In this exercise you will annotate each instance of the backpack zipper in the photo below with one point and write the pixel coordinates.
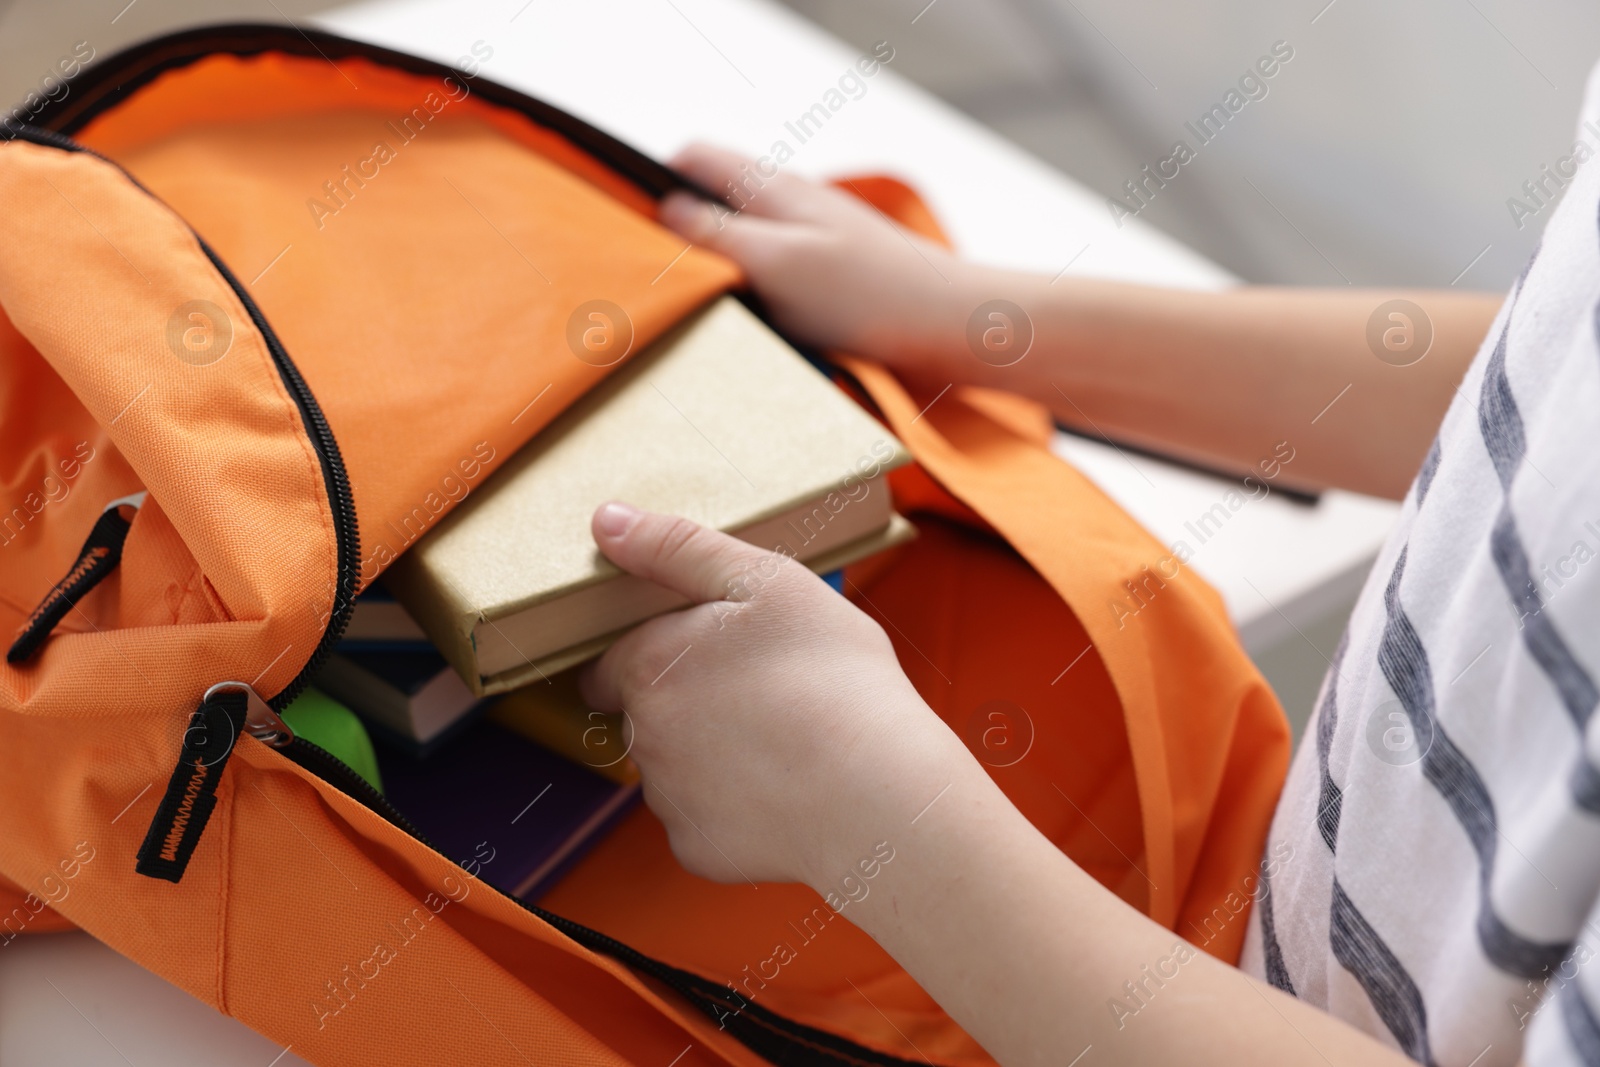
(260, 721)
(341, 501)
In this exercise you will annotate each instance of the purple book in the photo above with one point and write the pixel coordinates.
(519, 814)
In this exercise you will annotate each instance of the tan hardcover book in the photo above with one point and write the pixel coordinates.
(720, 421)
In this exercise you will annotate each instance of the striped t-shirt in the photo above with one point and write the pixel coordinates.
(1441, 822)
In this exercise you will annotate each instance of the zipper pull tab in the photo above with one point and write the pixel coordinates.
(227, 710)
(98, 557)
(260, 721)
(191, 791)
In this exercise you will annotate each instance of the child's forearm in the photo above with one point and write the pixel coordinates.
(1030, 955)
(1224, 377)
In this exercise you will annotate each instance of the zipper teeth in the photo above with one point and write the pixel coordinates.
(340, 499)
(698, 991)
(350, 782)
(126, 72)
(341, 774)
(50, 138)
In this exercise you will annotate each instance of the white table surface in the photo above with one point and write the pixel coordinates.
(658, 74)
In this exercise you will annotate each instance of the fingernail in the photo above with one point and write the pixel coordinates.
(613, 519)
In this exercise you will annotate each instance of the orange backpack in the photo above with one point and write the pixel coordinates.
(265, 293)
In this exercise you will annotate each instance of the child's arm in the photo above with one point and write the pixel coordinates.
(780, 741)
(1220, 377)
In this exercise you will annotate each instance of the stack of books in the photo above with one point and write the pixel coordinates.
(461, 660)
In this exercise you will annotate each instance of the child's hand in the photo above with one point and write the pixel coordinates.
(771, 721)
(780, 741)
(832, 270)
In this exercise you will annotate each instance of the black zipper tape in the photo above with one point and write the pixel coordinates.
(191, 793)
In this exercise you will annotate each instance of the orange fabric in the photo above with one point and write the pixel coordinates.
(899, 201)
(28, 911)
(92, 273)
(223, 90)
(429, 315)
(229, 569)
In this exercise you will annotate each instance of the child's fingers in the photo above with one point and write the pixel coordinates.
(687, 558)
(597, 685)
(710, 167)
(753, 187)
(704, 222)
(600, 683)
(747, 240)
(698, 564)
(634, 662)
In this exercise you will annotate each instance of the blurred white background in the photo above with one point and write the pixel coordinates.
(1383, 153)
